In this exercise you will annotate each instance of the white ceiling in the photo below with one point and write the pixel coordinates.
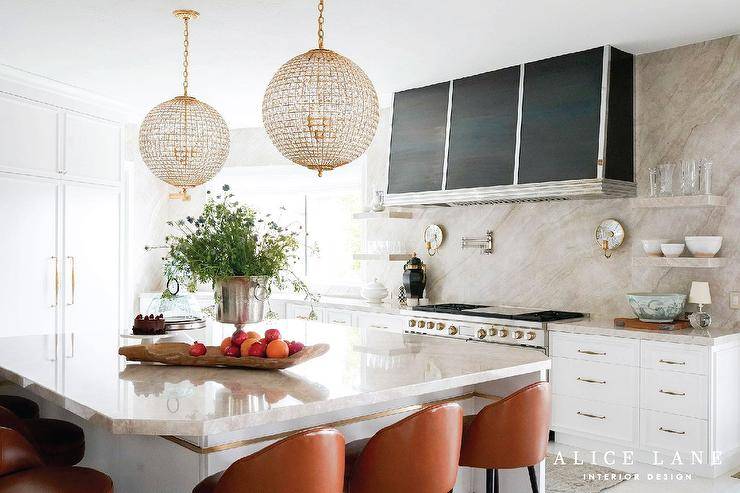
(131, 49)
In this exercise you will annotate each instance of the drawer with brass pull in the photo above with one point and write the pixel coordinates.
(578, 416)
(674, 357)
(669, 432)
(602, 349)
(674, 393)
(595, 381)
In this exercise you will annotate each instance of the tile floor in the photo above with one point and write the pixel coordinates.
(723, 484)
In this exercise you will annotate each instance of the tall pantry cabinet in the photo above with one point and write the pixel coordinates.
(61, 210)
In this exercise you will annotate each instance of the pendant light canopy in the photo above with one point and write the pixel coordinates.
(320, 109)
(183, 141)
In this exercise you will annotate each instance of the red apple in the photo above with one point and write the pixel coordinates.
(294, 347)
(233, 351)
(198, 349)
(238, 337)
(258, 349)
(272, 334)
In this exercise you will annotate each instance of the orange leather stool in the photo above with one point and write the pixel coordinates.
(310, 462)
(23, 471)
(59, 443)
(509, 434)
(418, 454)
(20, 406)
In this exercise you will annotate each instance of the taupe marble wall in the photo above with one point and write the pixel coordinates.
(687, 106)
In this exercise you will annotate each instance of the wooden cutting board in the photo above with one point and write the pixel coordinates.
(636, 323)
(178, 353)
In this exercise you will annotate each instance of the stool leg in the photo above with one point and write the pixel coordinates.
(533, 479)
(489, 480)
(495, 481)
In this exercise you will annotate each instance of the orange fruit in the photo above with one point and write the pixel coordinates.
(225, 344)
(277, 349)
(253, 335)
(248, 344)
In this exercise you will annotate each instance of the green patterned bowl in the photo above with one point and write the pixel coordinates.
(657, 307)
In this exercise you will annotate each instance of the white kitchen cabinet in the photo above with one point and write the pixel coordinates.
(339, 317)
(92, 148)
(29, 261)
(303, 312)
(92, 259)
(29, 136)
(379, 321)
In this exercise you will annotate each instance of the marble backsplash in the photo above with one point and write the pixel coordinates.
(687, 107)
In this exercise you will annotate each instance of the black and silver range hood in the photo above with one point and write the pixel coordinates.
(555, 129)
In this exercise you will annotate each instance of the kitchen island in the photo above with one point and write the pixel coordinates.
(143, 422)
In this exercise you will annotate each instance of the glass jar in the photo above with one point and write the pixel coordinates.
(705, 177)
(666, 179)
(689, 178)
(653, 173)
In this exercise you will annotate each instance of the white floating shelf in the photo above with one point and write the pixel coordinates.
(681, 201)
(688, 262)
(388, 257)
(385, 214)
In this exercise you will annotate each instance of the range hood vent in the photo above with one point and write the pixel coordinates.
(523, 193)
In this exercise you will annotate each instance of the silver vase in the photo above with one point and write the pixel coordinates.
(240, 300)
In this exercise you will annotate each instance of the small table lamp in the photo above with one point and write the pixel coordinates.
(699, 294)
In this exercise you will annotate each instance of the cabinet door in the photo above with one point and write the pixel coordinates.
(483, 126)
(91, 263)
(92, 148)
(561, 112)
(418, 139)
(28, 251)
(28, 136)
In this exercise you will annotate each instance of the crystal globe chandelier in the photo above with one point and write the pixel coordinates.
(320, 109)
(183, 141)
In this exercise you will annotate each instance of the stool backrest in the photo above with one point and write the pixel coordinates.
(310, 462)
(419, 453)
(16, 454)
(510, 433)
(9, 420)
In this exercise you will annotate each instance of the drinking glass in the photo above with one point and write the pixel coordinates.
(666, 179)
(705, 176)
(653, 172)
(689, 178)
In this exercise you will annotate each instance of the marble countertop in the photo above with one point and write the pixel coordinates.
(714, 336)
(85, 375)
(340, 303)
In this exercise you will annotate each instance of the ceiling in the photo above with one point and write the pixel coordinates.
(130, 50)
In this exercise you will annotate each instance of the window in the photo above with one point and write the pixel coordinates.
(321, 206)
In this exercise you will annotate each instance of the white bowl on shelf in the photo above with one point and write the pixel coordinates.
(652, 247)
(703, 246)
(672, 250)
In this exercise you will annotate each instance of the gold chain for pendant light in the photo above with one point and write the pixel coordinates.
(321, 24)
(185, 58)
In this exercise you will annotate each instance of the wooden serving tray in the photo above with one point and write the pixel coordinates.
(177, 353)
(636, 323)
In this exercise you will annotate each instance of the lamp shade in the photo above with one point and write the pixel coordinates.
(699, 293)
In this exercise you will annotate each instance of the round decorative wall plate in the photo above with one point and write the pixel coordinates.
(433, 238)
(609, 236)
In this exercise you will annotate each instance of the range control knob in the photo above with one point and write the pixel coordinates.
(503, 333)
(412, 323)
(440, 326)
(492, 331)
(531, 336)
(518, 334)
(482, 333)
(452, 330)
(422, 324)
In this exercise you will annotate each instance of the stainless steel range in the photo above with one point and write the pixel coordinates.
(502, 325)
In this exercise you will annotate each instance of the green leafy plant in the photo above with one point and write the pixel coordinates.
(229, 239)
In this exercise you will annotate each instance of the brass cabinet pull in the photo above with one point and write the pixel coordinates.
(588, 380)
(73, 278)
(668, 362)
(670, 392)
(590, 415)
(56, 282)
(672, 431)
(583, 351)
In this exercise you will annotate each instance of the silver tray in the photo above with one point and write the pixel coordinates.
(184, 323)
